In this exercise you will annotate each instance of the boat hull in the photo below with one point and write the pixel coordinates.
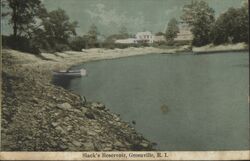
(70, 73)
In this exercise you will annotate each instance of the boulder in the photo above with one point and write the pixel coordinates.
(118, 144)
(64, 106)
(61, 130)
(97, 105)
(54, 124)
(144, 144)
(89, 146)
(89, 115)
(84, 110)
(63, 147)
(76, 143)
(35, 100)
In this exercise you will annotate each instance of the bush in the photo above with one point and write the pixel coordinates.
(19, 43)
(78, 43)
(231, 26)
(61, 47)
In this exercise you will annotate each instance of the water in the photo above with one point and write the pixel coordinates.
(181, 102)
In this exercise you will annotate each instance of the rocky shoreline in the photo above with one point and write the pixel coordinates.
(39, 116)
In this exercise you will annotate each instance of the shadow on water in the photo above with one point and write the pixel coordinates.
(62, 81)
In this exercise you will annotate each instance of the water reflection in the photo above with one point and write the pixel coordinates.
(62, 81)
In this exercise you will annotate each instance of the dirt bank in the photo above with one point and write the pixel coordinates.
(39, 116)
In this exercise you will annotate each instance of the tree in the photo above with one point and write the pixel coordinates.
(200, 17)
(4, 6)
(123, 33)
(55, 29)
(23, 13)
(172, 30)
(78, 43)
(92, 35)
(231, 26)
(159, 34)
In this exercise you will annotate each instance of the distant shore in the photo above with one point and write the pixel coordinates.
(69, 58)
(73, 57)
(221, 48)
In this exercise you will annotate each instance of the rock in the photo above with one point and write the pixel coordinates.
(54, 124)
(69, 128)
(64, 140)
(91, 133)
(84, 110)
(89, 115)
(118, 144)
(59, 128)
(89, 146)
(76, 143)
(50, 104)
(53, 143)
(64, 106)
(76, 111)
(144, 144)
(57, 113)
(82, 128)
(29, 137)
(99, 106)
(116, 118)
(63, 147)
(35, 100)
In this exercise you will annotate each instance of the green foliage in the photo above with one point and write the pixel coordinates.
(48, 31)
(172, 30)
(57, 26)
(160, 34)
(201, 18)
(23, 14)
(19, 43)
(92, 36)
(231, 26)
(123, 33)
(4, 5)
(54, 31)
(23, 18)
(78, 43)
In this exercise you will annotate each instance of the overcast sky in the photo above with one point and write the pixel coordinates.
(136, 15)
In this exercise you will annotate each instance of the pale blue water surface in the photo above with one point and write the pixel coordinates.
(206, 97)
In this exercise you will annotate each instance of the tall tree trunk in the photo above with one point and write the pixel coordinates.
(14, 18)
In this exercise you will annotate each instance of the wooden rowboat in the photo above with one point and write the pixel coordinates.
(70, 73)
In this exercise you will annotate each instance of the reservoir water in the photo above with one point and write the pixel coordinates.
(181, 102)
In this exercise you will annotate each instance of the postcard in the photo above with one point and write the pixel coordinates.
(125, 80)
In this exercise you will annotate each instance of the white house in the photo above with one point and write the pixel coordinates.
(144, 37)
(140, 37)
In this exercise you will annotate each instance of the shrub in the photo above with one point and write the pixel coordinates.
(20, 43)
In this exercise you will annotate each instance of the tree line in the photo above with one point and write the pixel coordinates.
(231, 26)
(35, 29)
